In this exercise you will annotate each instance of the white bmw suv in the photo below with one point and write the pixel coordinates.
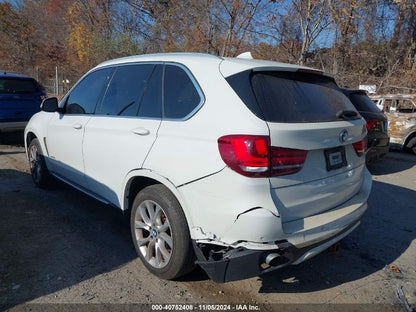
(238, 165)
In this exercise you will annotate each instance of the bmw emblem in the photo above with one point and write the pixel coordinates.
(343, 136)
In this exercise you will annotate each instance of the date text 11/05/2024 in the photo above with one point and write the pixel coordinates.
(205, 307)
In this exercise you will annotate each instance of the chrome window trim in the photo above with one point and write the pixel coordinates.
(116, 66)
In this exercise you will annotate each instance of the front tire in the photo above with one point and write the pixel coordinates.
(412, 145)
(160, 233)
(38, 170)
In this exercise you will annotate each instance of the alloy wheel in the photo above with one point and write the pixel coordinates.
(35, 162)
(153, 234)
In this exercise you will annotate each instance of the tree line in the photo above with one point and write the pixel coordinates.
(359, 41)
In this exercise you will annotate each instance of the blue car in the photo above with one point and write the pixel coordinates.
(20, 99)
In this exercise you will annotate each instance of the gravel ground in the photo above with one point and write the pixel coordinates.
(62, 251)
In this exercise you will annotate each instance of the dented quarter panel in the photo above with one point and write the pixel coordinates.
(253, 218)
(261, 224)
(220, 200)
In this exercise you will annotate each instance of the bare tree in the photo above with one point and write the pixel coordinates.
(313, 17)
(237, 17)
(372, 41)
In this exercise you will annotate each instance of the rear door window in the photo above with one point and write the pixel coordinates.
(151, 103)
(291, 97)
(125, 91)
(181, 97)
(18, 86)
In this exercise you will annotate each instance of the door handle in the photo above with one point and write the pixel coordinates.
(77, 126)
(141, 131)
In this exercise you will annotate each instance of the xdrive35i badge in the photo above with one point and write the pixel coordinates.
(343, 136)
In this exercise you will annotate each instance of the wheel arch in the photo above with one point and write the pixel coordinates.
(35, 133)
(409, 137)
(139, 179)
(28, 138)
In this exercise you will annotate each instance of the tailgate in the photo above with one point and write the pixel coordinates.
(318, 187)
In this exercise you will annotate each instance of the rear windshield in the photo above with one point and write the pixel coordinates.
(363, 103)
(290, 97)
(18, 86)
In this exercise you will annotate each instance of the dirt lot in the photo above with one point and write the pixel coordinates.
(61, 250)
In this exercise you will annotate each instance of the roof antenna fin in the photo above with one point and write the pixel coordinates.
(245, 55)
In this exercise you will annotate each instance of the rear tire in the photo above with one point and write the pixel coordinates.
(412, 145)
(38, 170)
(160, 233)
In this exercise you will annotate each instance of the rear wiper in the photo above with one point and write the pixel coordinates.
(347, 114)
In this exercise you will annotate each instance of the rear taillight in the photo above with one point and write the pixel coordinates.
(373, 124)
(287, 160)
(252, 156)
(246, 154)
(370, 124)
(360, 147)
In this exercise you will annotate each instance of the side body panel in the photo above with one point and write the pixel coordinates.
(38, 127)
(187, 150)
(114, 146)
(64, 141)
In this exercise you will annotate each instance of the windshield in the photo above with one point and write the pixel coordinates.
(18, 86)
(291, 97)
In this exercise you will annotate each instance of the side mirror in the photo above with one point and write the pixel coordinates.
(50, 105)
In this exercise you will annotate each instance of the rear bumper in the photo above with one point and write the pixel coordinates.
(280, 243)
(240, 263)
(378, 146)
(376, 153)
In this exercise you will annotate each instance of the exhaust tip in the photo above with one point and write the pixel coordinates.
(273, 259)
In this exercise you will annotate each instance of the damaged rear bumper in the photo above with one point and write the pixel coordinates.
(225, 264)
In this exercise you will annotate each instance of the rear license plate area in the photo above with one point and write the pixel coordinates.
(335, 158)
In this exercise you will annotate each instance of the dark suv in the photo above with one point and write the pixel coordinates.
(20, 99)
(376, 122)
